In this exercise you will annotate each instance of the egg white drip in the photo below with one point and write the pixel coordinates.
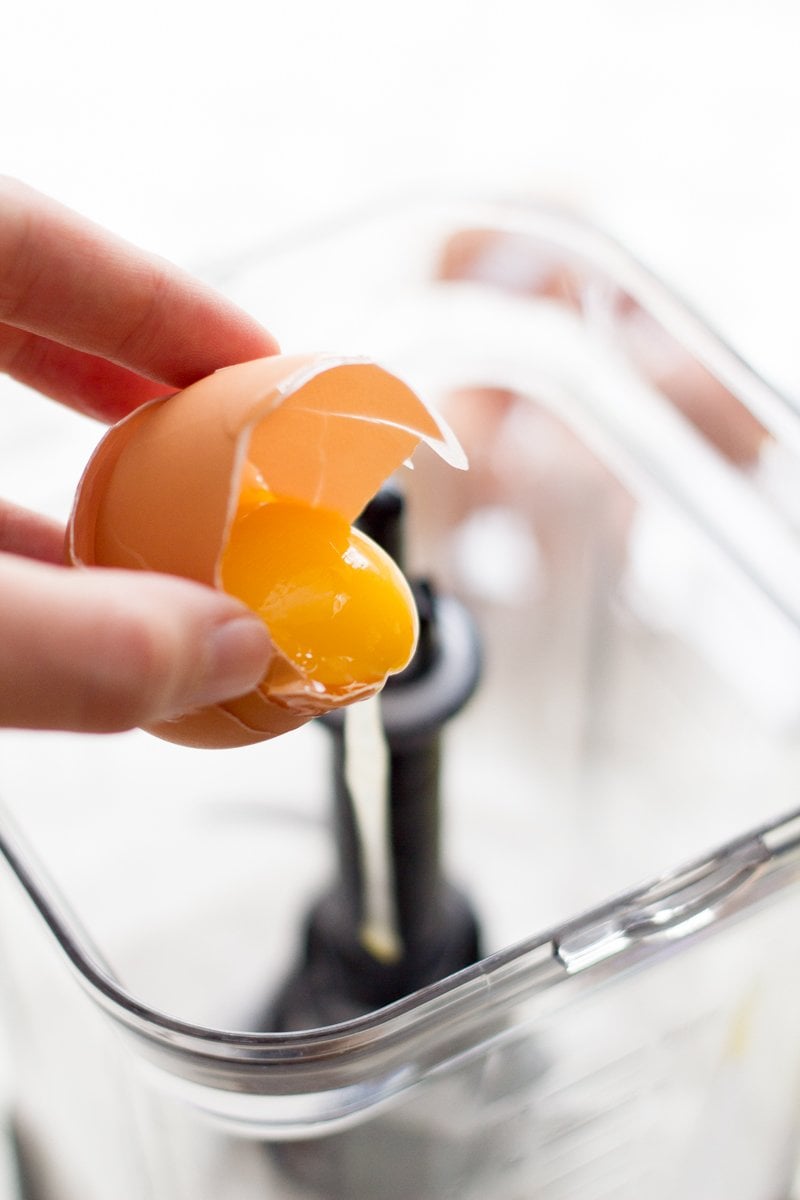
(366, 768)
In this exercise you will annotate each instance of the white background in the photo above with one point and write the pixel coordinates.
(199, 128)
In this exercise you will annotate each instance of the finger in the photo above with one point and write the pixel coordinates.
(102, 651)
(28, 533)
(90, 384)
(68, 280)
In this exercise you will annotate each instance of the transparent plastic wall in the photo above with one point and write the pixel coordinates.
(626, 540)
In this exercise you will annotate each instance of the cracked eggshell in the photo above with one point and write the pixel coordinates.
(161, 490)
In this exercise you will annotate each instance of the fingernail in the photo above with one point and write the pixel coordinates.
(237, 657)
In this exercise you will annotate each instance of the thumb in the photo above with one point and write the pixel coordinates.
(104, 650)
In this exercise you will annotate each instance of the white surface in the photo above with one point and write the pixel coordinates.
(197, 128)
(200, 130)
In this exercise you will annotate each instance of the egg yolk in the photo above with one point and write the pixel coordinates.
(333, 600)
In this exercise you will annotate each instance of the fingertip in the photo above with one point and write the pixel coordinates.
(236, 655)
(69, 288)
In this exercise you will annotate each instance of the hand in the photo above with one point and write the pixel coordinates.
(93, 322)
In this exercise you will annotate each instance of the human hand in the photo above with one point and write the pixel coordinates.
(100, 326)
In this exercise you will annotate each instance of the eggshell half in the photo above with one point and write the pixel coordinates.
(161, 490)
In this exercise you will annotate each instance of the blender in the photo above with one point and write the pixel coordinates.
(550, 952)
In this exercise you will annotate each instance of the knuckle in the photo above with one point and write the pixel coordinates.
(143, 325)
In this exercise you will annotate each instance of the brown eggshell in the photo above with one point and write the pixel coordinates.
(161, 490)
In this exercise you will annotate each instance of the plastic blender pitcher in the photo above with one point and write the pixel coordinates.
(625, 547)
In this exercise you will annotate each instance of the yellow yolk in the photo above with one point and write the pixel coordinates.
(333, 600)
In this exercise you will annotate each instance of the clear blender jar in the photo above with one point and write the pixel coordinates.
(624, 561)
